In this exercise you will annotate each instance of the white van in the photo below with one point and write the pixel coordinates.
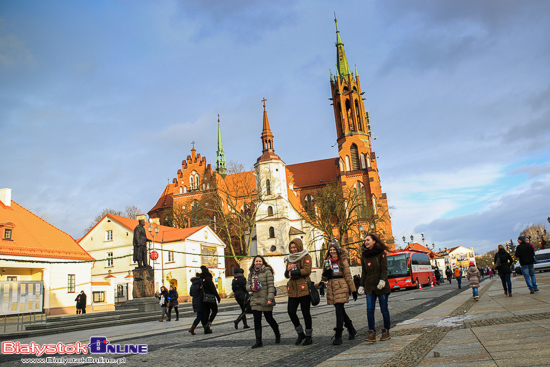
(543, 260)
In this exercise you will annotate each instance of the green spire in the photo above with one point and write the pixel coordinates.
(330, 71)
(220, 155)
(342, 67)
(356, 73)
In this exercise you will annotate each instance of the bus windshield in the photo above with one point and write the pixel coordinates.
(397, 266)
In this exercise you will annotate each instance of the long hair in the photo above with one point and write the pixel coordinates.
(500, 247)
(342, 255)
(378, 243)
(264, 262)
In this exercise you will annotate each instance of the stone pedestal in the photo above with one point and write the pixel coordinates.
(144, 283)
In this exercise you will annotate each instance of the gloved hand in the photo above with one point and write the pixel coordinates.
(381, 284)
(296, 273)
(328, 273)
(354, 294)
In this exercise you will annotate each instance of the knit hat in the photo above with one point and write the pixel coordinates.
(471, 263)
(239, 271)
(522, 238)
(333, 243)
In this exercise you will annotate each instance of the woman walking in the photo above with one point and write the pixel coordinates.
(239, 291)
(503, 262)
(173, 302)
(210, 310)
(298, 269)
(375, 283)
(163, 301)
(339, 285)
(473, 276)
(196, 292)
(261, 284)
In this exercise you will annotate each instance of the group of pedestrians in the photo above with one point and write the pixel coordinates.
(257, 292)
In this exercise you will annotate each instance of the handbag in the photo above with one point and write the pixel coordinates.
(498, 263)
(208, 298)
(313, 294)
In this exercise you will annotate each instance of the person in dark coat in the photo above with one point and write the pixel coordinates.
(526, 255)
(504, 270)
(163, 301)
(173, 302)
(77, 300)
(210, 310)
(83, 301)
(449, 274)
(196, 292)
(321, 287)
(239, 291)
(375, 283)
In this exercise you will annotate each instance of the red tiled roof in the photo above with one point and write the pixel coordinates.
(33, 236)
(314, 173)
(166, 234)
(419, 247)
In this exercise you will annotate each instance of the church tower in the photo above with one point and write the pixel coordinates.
(357, 161)
(220, 155)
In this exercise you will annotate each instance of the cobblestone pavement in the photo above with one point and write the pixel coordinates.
(442, 326)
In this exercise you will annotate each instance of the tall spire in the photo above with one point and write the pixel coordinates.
(220, 155)
(268, 152)
(342, 67)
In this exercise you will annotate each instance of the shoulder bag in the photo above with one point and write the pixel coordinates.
(313, 294)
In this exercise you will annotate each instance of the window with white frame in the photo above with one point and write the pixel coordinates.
(71, 283)
(109, 235)
(7, 234)
(98, 297)
(109, 260)
(170, 257)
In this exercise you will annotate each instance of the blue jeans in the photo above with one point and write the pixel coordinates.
(371, 305)
(528, 272)
(475, 291)
(506, 283)
(459, 281)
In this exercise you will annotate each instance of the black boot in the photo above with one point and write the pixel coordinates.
(337, 337)
(308, 340)
(177, 314)
(207, 329)
(301, 335)
(236, 322)
(351, 330)
(259, 343)
(277, 334)
(245, 323)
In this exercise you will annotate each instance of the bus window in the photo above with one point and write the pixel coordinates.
(397, 266)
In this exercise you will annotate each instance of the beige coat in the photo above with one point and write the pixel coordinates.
(259, 299)
(338, 289)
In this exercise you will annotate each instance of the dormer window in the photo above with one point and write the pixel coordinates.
(7, 234)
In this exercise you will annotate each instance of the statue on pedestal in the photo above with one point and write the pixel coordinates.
(140, 246)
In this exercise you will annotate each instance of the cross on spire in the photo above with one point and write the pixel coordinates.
(193, 142)
(263, 100)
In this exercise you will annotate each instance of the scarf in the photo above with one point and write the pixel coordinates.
(294, 258)
(334, 261)
(258, 270)
(373, 251)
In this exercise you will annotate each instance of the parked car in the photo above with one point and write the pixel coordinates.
(543, 260)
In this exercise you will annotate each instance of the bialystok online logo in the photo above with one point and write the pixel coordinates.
(98, 345)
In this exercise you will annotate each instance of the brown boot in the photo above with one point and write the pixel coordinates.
(192, 329)
(372, 336)
(162, 318)
(385, 335)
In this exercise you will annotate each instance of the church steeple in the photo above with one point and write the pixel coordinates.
(220, 155)
(268, 152)
(342, 66)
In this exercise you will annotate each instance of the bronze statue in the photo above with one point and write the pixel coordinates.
(140, 245)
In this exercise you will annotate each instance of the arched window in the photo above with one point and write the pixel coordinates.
(363, 163)
(194, 181)
(359, 190)
(341, 165)
(358, 114)
(354, 157)
(368, 160)
(309, 205)
(268, 187)
(181, 190)
(195, 213)
(270, 211)
(232, 269)
(271, 232)
(374, 209)
(347, 163)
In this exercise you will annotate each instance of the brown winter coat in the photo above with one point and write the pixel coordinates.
(299, 287)
(259, 299)
(473, 276)
(338, 289)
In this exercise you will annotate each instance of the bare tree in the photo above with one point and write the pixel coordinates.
(536, 233)
(131, 212)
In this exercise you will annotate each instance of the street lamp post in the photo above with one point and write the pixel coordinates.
(154, 234)
(422, 234)
(412, 238)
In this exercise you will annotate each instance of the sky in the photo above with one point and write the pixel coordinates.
(100, 102)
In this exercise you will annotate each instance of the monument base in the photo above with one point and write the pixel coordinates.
(144, 283)
(143, 304)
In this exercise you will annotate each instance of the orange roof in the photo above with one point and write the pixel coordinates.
(419, 247)
(33, 236)
(100, 283)
(166, 234)
(314, 173)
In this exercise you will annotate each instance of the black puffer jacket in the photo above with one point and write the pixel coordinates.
(208, 284)
(195, 292)
(239, 287)
(505, 262)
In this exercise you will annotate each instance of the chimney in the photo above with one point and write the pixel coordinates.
(5, 196)
(141, 216)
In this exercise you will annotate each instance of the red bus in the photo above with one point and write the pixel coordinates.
(409, 269)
